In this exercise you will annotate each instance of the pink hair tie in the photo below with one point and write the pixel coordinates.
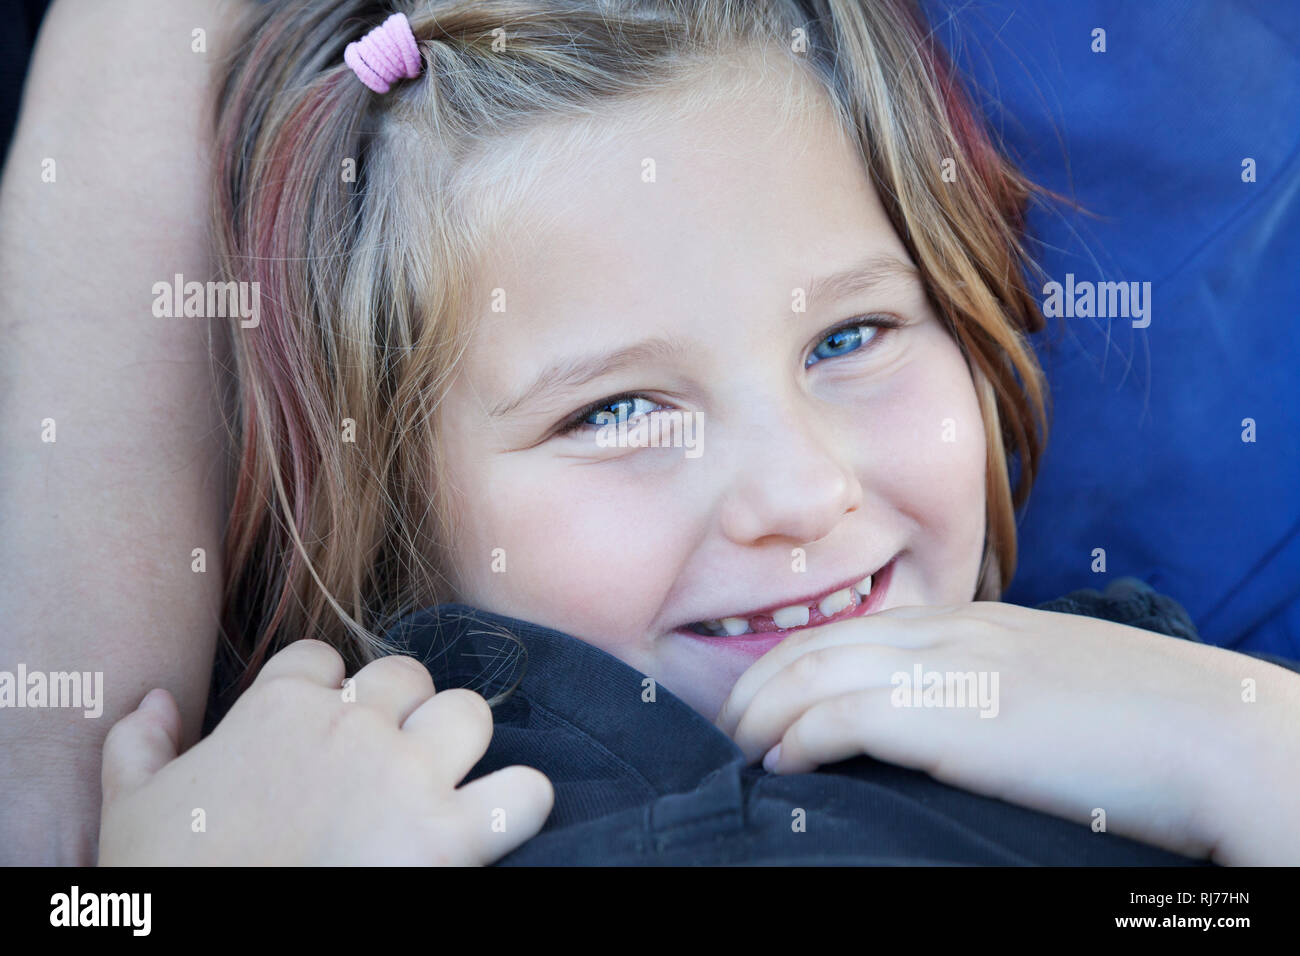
(385, 54)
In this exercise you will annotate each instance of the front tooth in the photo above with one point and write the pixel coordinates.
(863, 587)
(832, 604)
(796, 616)
(735, 626)
(715, 626)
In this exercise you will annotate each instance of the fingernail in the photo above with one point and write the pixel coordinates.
(773, 755)
(152, 699)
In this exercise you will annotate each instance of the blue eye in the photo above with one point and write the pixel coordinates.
(851, 337)
(610, 411)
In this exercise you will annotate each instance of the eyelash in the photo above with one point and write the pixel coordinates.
(576, 421)
(883, 323)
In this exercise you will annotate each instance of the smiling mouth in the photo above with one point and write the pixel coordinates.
(851, 600)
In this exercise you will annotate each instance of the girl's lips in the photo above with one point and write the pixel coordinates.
(758, 643)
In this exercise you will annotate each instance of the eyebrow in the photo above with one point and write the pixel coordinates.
(862, 276)
(566, 374)
(571, 373)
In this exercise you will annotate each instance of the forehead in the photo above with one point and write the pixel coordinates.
(720, 192)
(720, 124)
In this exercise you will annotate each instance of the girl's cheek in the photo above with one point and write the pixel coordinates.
(586, 551)
(929, 467)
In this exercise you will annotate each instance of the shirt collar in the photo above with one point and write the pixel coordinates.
(599, 696)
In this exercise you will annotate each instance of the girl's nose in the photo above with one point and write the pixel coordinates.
(790, 482)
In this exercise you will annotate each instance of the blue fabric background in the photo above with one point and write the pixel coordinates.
(1146, 458)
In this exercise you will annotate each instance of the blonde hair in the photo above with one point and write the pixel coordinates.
(364, 297)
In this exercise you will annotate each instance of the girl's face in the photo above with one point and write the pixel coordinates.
(736, 279)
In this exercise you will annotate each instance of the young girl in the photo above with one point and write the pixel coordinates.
(489, 232)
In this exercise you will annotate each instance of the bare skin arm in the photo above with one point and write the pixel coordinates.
(97, 528)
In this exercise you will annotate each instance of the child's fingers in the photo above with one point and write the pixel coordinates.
(502, 810)
(902, 628)
(458, 727)
(141, 744)
(308, 659)
(817, 675)
(948, 743)
(822, 736)
(395, 685)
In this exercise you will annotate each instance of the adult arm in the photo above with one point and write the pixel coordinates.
(97, 527)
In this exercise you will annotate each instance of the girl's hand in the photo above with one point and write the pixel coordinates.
(297, 775)
(1189, 747)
